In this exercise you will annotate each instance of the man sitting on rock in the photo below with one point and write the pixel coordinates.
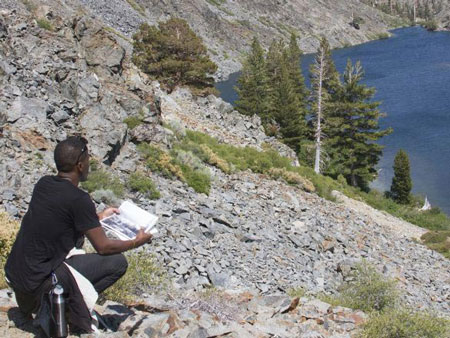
(59, 216)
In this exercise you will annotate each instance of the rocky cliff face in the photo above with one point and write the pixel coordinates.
(227, 27)
(250, 233)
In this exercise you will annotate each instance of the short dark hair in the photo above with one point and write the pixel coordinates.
(69, 152)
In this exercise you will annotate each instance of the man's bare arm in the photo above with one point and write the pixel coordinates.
(106, 246)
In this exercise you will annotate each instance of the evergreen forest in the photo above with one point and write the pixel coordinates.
(332, 126)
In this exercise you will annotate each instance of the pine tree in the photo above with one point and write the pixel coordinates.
(401, 182)
(289, 114)
(298, 84)
(252, 85)
(174, 54)
(332, 83)
(352, 127)
(285, 118)
(273, 67)
(298, 81)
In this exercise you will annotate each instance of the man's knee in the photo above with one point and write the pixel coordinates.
(121, 264)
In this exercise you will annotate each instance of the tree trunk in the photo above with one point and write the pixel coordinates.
(415, 7)
(319, 114)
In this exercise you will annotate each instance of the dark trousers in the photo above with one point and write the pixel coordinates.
(101, 271)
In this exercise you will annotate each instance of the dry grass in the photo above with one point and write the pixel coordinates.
(291, 177)
(8, 231)
(215, 160)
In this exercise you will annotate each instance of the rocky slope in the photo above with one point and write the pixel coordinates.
(227, 27)
(250, 234)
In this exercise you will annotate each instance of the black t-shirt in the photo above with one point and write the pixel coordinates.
(58, 215)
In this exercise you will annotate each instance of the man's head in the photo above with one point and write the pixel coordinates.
(72, 156)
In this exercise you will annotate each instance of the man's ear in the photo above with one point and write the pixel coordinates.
(79, 167)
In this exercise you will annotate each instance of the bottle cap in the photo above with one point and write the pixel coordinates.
(58, 290)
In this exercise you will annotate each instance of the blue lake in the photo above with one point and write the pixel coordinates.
(411, 73)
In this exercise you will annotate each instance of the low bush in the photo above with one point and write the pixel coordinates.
(160, 161)
(366, 290)
(430, 25)
(404, 323)
(196, 179)
(438, 241)
(133, 121)
(213, 159)
(241, 158)
(8, 232)
(99, 179)
(182, 164)
(144, 274)
(44, 24)
(196, 174)
(296, 292)
(105, 196)
(291, 177)
(140, 183)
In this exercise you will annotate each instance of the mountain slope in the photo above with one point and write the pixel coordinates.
(227, 27)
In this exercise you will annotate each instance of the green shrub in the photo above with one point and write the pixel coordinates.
(438, 241)
(430, 25)
(160, 161)
(368, 290)
(139, 182)
(212, 158)
(196, 179)
(296, 292)
(180, 163)
(105, 196)
(8, 232)
(102, 180)
(291, 177)
(133, 121)
(404, 323)
(190, 159)
(44, 24)
(144, 274)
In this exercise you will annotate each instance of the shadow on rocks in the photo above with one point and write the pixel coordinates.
(115, 315)
(24, 323)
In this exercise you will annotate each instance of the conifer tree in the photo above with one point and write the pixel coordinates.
(352, 128)
(298, 83)
(401, 182)
(332, 83)
(286, 110)
(295, 72)
(174, 54)
(273, 67)
(289, 113)
(252, 85)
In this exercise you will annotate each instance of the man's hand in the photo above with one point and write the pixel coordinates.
(107, 212)
(142, 237)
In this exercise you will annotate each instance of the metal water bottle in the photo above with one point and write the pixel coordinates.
(59, 311)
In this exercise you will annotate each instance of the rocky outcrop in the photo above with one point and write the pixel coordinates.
(227, 27)
(214, 314)
(54, 83)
